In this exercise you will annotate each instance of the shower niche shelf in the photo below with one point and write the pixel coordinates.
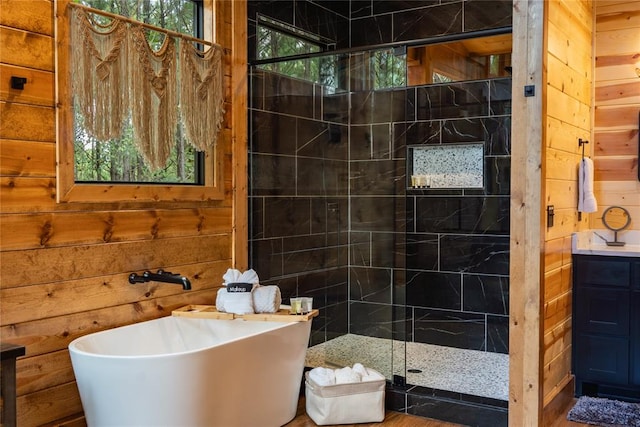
(447, 166)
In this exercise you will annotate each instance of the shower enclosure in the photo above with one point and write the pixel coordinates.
(382, 191)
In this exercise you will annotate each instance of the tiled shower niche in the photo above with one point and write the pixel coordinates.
(447, 166)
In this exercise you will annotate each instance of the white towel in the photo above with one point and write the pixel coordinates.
(372, 375)
(261, 299)
(237, 302)
(586, 200)
(360, 369)
(347, 375)
(323, 376)
(234, 276)
(234, 302)
(220, 297)
(367, 374)
(267, 299)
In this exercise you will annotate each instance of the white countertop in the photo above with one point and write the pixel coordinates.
(593, 242)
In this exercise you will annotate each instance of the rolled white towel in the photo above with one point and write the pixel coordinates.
(347, 375)
(220, 297)
(360, 369)
(323, 376)
(267, 299)
(235, 302)
(372, 375)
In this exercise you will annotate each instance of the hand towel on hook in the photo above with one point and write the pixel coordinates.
(586, 199)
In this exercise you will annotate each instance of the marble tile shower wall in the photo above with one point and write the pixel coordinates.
(299, 195)
(457, 249)
(307, 189)
(332, 216)
(430, 265)
(362, 23)
(382, 21)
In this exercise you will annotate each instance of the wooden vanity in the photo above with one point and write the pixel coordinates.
(606, 322)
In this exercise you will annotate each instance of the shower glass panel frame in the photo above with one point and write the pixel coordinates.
(302, 233)
(333, 215)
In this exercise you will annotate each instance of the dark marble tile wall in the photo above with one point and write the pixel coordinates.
(379, 22)
(299, 195)
(377, 221)
(458, 408)
(334, 219)
(457, 249)
(442, 254)
(327, 195)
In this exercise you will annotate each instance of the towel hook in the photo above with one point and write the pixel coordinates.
(582, 143)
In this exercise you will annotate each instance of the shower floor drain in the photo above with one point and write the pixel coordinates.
(415, 371)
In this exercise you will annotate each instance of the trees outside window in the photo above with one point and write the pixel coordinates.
(118, 160)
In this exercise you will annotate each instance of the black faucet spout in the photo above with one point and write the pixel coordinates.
(161, 276)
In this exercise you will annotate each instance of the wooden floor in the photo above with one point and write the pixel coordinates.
(396, 419)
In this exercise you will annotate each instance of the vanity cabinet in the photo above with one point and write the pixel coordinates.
(606, 326)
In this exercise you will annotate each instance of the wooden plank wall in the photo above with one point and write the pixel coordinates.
(525, 242)
(617, 101)
(64, 267)
(567, 117)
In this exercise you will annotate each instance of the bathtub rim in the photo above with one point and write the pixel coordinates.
(72, 347)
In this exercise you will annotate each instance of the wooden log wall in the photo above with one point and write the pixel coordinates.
(567, 118)
(64, 267)
(617, 101)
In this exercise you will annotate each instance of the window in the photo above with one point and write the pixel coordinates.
(381, 69)
(278, 40)
(94, 170)
(388, 68)
(467, 59)
(118, 160)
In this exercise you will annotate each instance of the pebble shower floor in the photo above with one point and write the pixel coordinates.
(471, 372)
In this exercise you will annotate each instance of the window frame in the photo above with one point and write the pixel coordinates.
(70, 191)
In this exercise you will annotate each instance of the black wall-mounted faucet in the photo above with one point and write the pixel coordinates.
(160, 276)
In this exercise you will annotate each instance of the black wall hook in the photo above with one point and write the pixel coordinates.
(582, 143)
(18, 82)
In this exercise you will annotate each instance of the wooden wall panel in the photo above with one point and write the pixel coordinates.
(37, 18)
(27, 122)
(568, 108)
(617, 102)
(616, 143)
(64, 267)
(54, 403)
(44, 371)
(27, 49)
(618, 91)
(27, 158)
(31, 231)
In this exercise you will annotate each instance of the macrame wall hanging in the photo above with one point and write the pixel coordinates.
(200, 90)
(154, 110)
(117, 73)
(99, 68)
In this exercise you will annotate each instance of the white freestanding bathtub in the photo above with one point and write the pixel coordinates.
(177, 371)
